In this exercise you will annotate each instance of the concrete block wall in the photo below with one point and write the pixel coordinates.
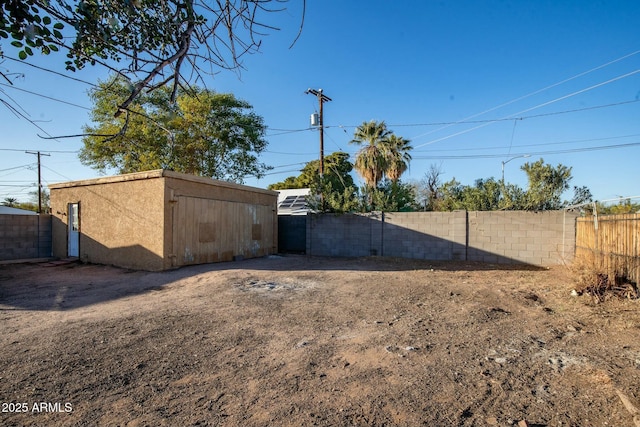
(425, 235)
(25, 236)
(344, 235)
(538, 238)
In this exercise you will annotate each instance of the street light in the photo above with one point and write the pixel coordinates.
(513, 158)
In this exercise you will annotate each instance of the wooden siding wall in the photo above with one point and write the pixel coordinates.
(207, 231)
(612, 242)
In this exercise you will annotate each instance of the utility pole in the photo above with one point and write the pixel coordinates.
(38, 153)
(322, 98)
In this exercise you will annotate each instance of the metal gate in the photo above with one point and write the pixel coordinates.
(292, 233)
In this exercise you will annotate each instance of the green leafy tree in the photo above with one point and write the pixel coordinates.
(337, 172)
(325, 198)
(513, 197)
(337, 169)
(484, 195)
(333, 192)
(546, 185)
(389, 196)
(544, 192)
(581, 195)
(159, 42)
(624, 206)
(288, 183)
(29, 27)
(451, 196)
(208, 134)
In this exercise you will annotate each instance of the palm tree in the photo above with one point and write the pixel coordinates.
(372, 159)
(398, 156)
(10, 202)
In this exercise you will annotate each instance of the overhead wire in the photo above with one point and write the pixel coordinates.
(512, 116)
(57, 173)
(464, 122)
(539, 153)
(288, 154)
(66, 76)
(287, 131)
(45, 96)
(42, 151)
(16, 167)
(584, 73)
(530, 145)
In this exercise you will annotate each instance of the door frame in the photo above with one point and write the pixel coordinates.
(73, 229)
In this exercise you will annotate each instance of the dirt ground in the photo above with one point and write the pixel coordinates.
(300, 341)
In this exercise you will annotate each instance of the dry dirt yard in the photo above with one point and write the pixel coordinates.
(298, 341)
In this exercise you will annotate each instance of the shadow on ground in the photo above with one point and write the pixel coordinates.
(67, 286)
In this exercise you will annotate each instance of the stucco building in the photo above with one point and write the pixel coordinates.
(158, 220)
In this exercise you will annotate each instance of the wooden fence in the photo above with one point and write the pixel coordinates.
(612, 242)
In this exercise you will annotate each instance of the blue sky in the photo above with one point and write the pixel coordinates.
(470, 83)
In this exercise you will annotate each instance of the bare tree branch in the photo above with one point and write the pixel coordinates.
(148, 38)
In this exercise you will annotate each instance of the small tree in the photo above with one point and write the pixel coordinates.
(429, 192)
(389, 196)
(581, 195)
(325, 198)
(208, 134)
(546, 185)
(337, 168)
(333, 192)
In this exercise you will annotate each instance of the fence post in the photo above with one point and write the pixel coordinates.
(595, 227)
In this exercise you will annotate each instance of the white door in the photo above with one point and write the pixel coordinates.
(73, 247)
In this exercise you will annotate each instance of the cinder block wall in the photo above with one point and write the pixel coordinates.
(542, 238)
(344, 235)
(425, 235)
(538, 238)
(25, 236)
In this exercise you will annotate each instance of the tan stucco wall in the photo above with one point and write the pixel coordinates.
(121, 220)
(204, 188)
(132, 220)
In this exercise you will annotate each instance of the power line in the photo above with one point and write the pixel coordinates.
(290, 164)
(281, 172)
(530, 145)
(24, 114)
(512, 116)
(539, 153)
(584, 73)
(464, 122)
(289, 154)
(46, 97)
(506, 119)
(57, 173)
(47, 151)
(51, 71)
(16, 167)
